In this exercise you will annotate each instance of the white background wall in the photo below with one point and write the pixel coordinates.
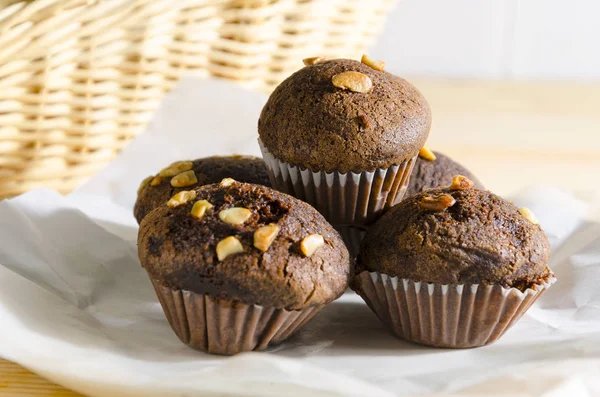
(531, 39)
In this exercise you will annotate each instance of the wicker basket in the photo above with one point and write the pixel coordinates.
(80, 78)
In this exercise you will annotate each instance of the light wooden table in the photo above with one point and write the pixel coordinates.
(509, 134)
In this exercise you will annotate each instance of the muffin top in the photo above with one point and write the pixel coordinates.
(436, 170)
(458, 235)
(157, 189)
(245, 242)
(342, 115)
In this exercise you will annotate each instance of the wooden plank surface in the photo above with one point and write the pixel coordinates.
(511, 135)
(16, 381)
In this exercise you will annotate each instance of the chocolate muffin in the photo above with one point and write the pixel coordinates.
(464, 265)
(474, 237)
(343, 115)
(238, 266)
(343, 135)
(155, 190)
(434, 169)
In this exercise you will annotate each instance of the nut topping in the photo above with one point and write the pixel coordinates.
(235, 215)
(184, 179)
(144, 183)
(229, 246)
(437, 203)
(426, 154)
(176, 168)
(372, 63)
(264, 236)
(200, 207)
(313, 60)
(529, 215)
(157, 180)
(460, 182)
(226, 182)
(181, 198)
(311, 243)
(242, 157)
(353, 81)
(364, 121)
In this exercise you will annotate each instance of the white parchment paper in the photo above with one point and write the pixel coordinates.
(76, 307)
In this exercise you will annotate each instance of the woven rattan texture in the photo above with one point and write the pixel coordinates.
(80, 78)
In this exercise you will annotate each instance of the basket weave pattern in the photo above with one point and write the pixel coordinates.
(80, 78)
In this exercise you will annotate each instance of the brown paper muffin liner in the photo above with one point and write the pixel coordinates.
(220, 326)
(454, 316)
(343, 199)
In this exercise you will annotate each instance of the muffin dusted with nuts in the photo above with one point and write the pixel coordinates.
(458, 235)
(461, 264)
(433, 169)
(155, 190)
(343, 135)
(343, 115)
(238, 266)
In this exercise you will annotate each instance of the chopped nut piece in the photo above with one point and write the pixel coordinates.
(226, 182)
(311, 243)
(181, 198)
(264, 236)
(156, 181)
(176, 168)
(235, 215)
(184, 179)
(529, 215)
(377, 65)
(144, 183)
(437, 203)
(313, 60)
(229, 246)
(460, 182)
(200, 207)
(242, 156)
(364, 121)
(427, 154)
(353, 81)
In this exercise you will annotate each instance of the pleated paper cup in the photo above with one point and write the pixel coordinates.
(343, 198)
(440, 315)
(220, 326)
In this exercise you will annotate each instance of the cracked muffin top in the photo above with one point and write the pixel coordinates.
(458, 235)
(434, 169)
(245, 242)
(157, 189)
(343, 115)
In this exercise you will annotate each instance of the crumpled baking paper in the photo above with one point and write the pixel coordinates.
(77, 308)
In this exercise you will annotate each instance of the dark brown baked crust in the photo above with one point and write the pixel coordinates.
(208, 170)
(309, 122)
(179, 250)
(437, 173)
(482, 238)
